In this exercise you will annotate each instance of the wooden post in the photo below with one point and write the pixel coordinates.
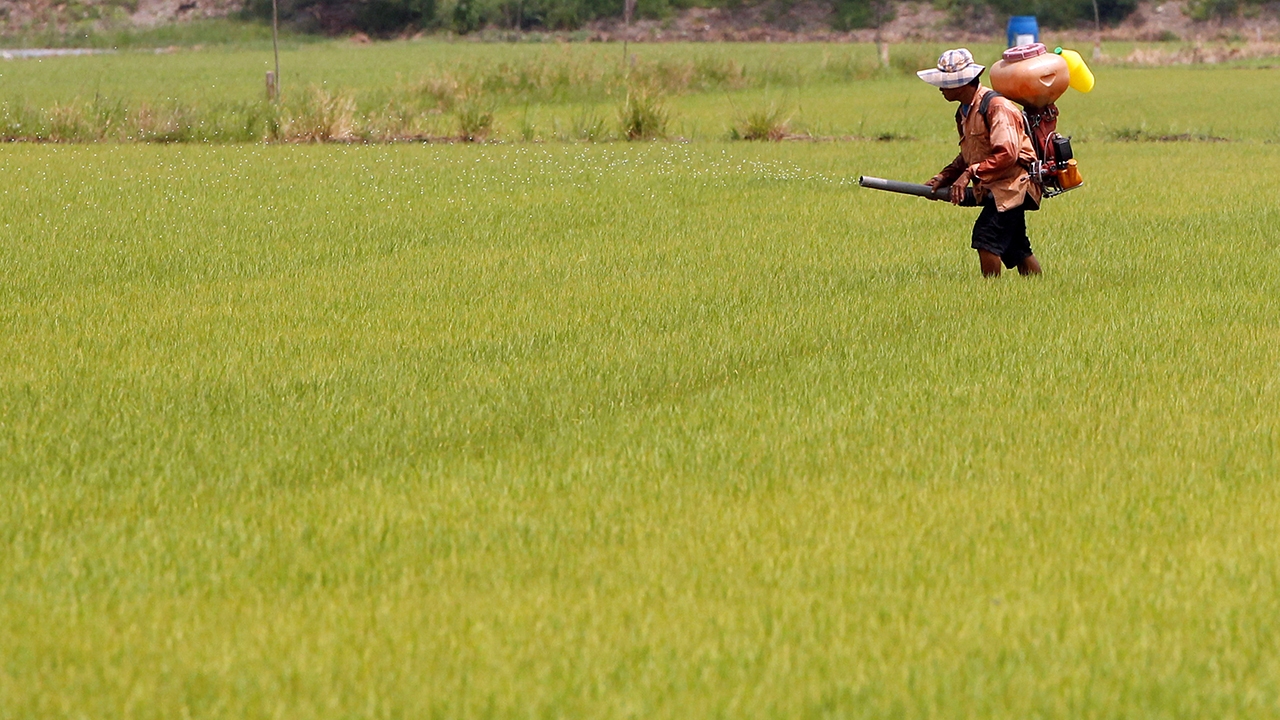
(274, 81)
(273, 90)
(628, 10)
(1097, 30)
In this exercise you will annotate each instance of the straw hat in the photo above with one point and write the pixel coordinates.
(956, 68)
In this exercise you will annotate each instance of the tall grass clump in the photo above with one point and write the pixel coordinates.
(69, 123)
(171, 124)
(586, 125)
(643, 114)
(770, 122)
(322, 116)
(475, 117)
(19, 122)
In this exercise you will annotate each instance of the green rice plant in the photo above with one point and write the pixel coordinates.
(632, 431)
(643, 114)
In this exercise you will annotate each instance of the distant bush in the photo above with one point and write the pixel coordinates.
(376, 17)
(854, 14)
(1210, 9)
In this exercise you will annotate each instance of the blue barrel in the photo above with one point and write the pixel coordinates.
(1023, 29)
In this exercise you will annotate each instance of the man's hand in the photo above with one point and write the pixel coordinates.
(958, 188)
(932, 184)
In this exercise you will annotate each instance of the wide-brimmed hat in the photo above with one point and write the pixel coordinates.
(956, 68)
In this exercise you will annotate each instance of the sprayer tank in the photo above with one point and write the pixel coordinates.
(1030, 76)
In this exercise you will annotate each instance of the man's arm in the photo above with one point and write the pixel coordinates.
(949, 174)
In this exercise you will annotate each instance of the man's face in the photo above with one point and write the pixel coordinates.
(953, 94)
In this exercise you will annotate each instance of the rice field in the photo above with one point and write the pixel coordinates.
(660, 430)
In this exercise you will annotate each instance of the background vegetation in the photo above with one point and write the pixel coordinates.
(548, 92)
(464, 16)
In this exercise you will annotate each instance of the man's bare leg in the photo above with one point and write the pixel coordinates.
(991, 264)
(1029, 266)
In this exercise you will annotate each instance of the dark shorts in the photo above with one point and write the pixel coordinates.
(1002, 233)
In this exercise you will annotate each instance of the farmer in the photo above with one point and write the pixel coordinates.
(994, 155)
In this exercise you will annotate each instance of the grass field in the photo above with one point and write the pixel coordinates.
(637, 430)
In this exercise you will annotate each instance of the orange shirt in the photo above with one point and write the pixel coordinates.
(997, 157)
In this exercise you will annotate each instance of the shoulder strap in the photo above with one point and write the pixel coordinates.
(983, 106)
(986, 104)
(1026, 121)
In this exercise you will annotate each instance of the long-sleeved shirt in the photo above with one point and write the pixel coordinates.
(997, 157)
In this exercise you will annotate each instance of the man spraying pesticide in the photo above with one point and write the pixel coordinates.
(1013, 157)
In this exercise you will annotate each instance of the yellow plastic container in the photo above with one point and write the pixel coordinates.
(1081, 75)
(1033, 82)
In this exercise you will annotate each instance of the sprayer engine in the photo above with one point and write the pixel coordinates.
(1057, 172)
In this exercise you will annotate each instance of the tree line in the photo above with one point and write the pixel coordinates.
(385, 17)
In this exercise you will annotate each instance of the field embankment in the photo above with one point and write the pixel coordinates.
(443, 91)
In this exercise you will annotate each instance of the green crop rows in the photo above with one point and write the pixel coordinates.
(652, 430)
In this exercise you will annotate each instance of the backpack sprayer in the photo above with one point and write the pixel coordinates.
(1034, 78)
